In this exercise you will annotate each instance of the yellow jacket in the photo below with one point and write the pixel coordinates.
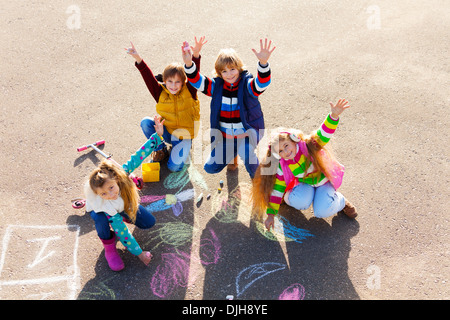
(180, 111)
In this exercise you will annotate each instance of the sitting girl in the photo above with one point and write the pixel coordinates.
(305, 173)
(112, 199)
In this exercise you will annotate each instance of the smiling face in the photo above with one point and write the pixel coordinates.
(230, 74)
(286, 149)
(174, 84)
(109, 190)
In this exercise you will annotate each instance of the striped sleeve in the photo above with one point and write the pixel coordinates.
(277, 193)
(258, 85)
(326, 130)
(199, 81)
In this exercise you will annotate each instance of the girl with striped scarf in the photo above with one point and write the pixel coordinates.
(299, 169)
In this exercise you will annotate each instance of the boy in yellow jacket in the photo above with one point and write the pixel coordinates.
(177, 104)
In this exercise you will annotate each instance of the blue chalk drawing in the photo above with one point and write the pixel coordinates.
(253, 273)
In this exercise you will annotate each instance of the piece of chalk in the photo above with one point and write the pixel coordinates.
(200, 197)
(221, 182)
(230, 297)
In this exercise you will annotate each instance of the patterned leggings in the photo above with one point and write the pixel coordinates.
(144, 220)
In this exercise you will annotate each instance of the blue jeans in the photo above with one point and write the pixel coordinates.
(326, 200)
(180, 148)
(226, 150)
(144, 220)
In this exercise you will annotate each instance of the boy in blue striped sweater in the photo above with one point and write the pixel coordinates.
(237, 121)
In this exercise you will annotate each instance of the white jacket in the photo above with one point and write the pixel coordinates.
(96, 203)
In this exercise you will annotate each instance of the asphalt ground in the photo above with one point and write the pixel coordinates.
(66, 81)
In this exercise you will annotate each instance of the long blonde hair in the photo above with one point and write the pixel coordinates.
(128, 191)
(265, 175)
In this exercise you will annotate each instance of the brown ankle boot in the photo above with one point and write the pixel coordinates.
(349, 210)
(160, 155)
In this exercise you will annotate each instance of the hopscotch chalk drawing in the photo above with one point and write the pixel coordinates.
(39, 262)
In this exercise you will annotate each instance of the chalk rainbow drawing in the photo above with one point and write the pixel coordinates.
(255, 272)
(294, 292)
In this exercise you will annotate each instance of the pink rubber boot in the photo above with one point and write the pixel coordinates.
(111, 255)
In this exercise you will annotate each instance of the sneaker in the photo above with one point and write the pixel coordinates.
(160, 155)
(349, 210)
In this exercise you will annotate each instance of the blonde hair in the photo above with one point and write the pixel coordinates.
(265, 175)
(128, 191)
(172, 70)
(227, 58)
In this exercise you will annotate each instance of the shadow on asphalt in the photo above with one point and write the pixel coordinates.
(237, 259)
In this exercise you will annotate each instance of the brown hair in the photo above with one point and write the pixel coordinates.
(172, 70)
(265, 175)
(227, 58)
(128, 191)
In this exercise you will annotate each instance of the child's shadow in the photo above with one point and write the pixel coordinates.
(253, 265)
(321, 263)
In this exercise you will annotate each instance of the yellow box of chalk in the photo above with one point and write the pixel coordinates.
(150, 172)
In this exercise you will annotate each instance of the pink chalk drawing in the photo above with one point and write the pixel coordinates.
(150, 198)
(174, 270)
(294, 292)
(210, 249)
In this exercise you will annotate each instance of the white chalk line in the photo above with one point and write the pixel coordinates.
(71, 279)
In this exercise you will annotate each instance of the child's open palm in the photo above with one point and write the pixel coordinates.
(264, 53)
(159, 124)
(338, 108)
(198, 46)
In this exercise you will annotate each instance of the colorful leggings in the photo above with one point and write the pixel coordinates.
(144, 220)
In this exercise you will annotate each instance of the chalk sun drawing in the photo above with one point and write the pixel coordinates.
(255, 272)
(175, 234)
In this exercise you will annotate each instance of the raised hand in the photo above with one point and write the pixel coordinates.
(132, 52)
(186, 54)
(159, 125)
(264, 53)
(198, 46)
(338, 108)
